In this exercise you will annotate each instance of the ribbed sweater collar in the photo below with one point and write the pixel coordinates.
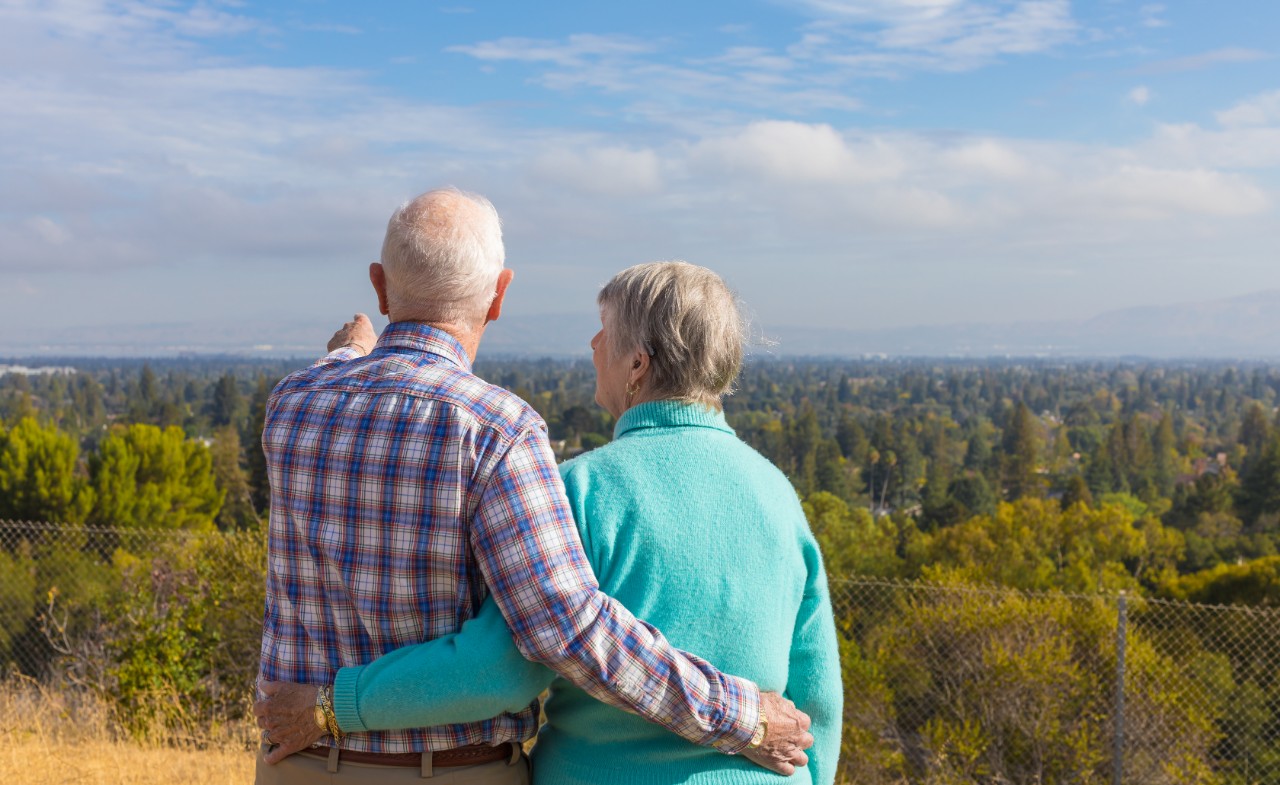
(669, 414)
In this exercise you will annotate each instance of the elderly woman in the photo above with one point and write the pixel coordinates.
(686, 525)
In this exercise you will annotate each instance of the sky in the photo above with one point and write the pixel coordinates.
(842, 163)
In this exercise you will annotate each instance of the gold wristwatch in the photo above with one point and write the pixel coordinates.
(319, 711)
(757, 738)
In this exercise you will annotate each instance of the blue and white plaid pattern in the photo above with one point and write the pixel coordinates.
(403, 490)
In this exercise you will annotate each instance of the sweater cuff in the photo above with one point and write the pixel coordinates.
(345, 700)
(741, 715)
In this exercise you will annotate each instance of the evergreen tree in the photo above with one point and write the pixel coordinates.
(1164, 447)
(1021, 459)
(40, 477)
(237, 511)
(1076, 492)
(1259, 493)
(147, 478)
(1255, 433)
(255, 461)
(226, 405)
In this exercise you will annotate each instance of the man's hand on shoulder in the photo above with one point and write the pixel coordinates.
(356, 334)
(786, 736)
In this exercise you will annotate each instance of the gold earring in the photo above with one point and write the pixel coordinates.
(631, 392)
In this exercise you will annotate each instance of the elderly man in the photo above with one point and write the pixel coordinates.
(404, 490)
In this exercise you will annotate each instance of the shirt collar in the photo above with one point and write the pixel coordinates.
(670, 414)
(421, 337)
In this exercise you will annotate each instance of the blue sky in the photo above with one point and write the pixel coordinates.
(843, 163)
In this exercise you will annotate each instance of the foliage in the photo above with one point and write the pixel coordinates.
(17, 594)
(852, 541)
(39, 475)
(174, 631)
(953, 685)
(1255, 584)
(1035, 544)
(145, 477)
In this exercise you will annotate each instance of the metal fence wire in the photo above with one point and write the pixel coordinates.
(945, 683)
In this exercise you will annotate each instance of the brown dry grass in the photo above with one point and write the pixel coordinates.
(55, 737)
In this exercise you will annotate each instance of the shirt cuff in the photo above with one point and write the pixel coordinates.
(345, 702)
(741, 715)
(339, 355)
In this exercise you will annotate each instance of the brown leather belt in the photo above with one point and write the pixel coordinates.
(470, 755)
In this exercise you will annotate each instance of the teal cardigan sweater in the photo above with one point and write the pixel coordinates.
(695, 533)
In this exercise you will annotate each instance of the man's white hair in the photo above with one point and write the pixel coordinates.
(442, 256)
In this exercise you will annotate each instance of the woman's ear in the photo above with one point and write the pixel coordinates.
(639, 367)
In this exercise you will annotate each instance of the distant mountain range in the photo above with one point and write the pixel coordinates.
(1238, 327)
(1246, 327)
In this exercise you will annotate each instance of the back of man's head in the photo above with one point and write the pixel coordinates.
(442, 256)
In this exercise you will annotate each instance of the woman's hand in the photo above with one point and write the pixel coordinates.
(287, 716)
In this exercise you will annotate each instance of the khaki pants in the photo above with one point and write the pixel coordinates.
(306, 770)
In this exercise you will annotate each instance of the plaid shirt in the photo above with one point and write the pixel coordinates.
(403, 491)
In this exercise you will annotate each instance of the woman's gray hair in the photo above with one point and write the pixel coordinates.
(686, 319)
(442, 256)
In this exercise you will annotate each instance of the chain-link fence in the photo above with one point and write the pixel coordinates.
(163, 625)
(944, 683)
(948, 683)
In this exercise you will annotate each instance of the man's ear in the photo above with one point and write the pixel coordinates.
(499, 294)
(378, 277)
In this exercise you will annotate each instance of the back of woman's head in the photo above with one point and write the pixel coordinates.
(687, 320)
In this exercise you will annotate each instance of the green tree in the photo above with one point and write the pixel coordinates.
(1021, 460)
(1259, 493)
(1076, 492)
(40, 476)
(227, 404)
(1165, 450)
(1255, 433)
(148, 478)
(237, 511)
(853, 542)
(255, 460)
(1035, 544)
(1255, 583)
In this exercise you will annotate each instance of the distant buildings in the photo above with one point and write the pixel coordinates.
(43, 370)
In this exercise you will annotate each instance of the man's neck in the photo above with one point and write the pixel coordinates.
(466, 335)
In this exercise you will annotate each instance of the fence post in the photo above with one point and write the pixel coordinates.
(1118, 749)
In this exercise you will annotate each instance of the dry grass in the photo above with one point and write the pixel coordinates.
(71, 737)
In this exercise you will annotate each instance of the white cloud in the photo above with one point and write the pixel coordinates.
(1203, 60)
(1242, 148)
(610, 171)
(989, 158)
(1261, 110)
(576, 50)
(48, 230)
(670, 90)
(1145, 193)
(1152, 15)
(790, 152)
(1140, 95)
(937, 34)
